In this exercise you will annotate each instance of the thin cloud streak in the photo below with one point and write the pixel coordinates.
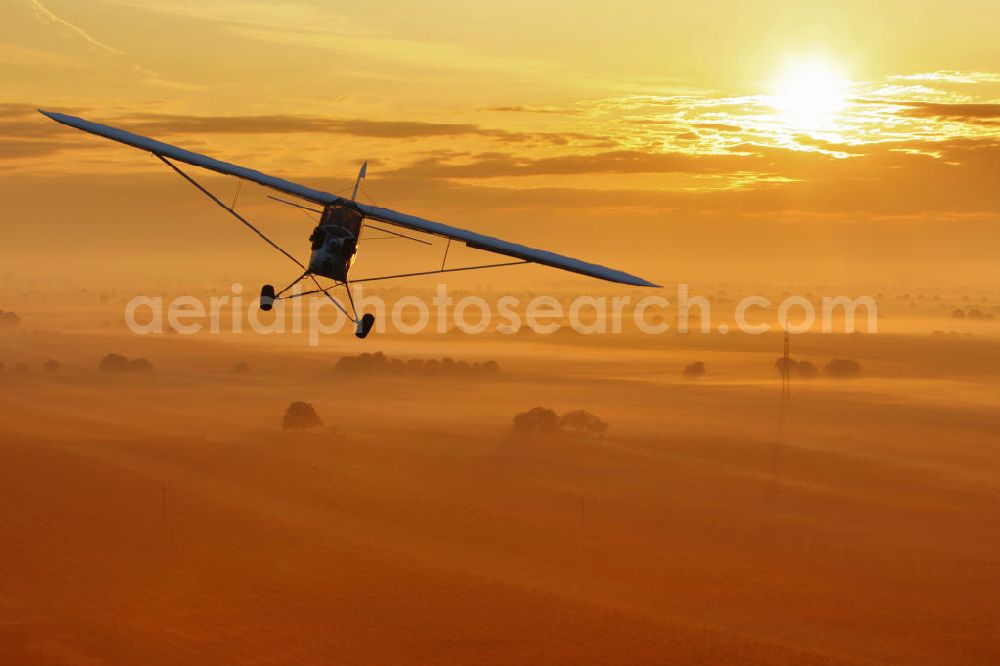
(46, 15)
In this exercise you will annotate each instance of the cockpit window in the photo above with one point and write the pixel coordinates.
(318, 238)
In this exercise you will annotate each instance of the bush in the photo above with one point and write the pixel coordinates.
(20, 369)
(241, 368)
(118, 364)
(806, 369)
(542, 421)
(582, 421)
(536, 420)
(377, 363)
(51, 365)
(300, 416)
(803, 369)
(139, 365)
(843, 368)
(9, 319)
(696, 369)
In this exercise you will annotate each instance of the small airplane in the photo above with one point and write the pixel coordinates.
(335, 238)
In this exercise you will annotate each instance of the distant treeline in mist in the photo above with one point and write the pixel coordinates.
(545, 421)
(378, 363)
(840, 368)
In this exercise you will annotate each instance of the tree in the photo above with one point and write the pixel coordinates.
(797, 368)
(51, 365)
(806, 369)
(140, 365)
(241, 368)
(536, 420)
(843, 368)
(9, 319)
(300, 416)
(118, 364)
(583, 422)
(696, 369)
(113, 363)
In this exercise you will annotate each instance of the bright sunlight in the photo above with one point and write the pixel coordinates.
(809, 93)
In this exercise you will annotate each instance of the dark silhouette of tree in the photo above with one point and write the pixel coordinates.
(537, 420)
(9, 319)
(696, 369)
(796, 368)
(378, 363)
(51, 365)
(140, 365)
(300, 416)
(241, 368)
(113, 363)
(806, 369)
(20, 369)
(583, 422)
(118, 364)
(959, 313)
(843, 368)
(544, 421)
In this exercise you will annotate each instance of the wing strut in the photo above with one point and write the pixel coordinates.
(443, 270)
(404, 275)
(229, 210)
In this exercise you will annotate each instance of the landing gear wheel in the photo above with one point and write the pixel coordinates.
(365, 326)
(267, 297)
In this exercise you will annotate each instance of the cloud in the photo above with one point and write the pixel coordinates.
(893, 179)
(45, 15)
(12, 149)
(15, 110)
(20, 122)
(951, 111)
(21, 56)
(315, 25)
(721, 127)
(165, 124)
(950, 76)
(534, 109)
(618, 161)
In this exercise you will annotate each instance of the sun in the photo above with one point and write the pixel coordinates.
(810, 93)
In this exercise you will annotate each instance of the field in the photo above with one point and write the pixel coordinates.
(166, 518)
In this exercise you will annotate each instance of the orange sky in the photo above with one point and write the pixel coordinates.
(731, 141)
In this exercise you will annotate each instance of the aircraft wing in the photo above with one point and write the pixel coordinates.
(194, 159)
(482, 242)
(470, 238)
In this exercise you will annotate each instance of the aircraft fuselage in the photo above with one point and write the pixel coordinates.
(335, 242)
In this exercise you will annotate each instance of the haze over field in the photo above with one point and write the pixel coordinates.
(504, 497)
(165, 516)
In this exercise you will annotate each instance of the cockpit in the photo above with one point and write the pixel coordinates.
(335, 242)
(330, 237)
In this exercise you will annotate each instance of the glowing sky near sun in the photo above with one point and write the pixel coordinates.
(720, 113)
